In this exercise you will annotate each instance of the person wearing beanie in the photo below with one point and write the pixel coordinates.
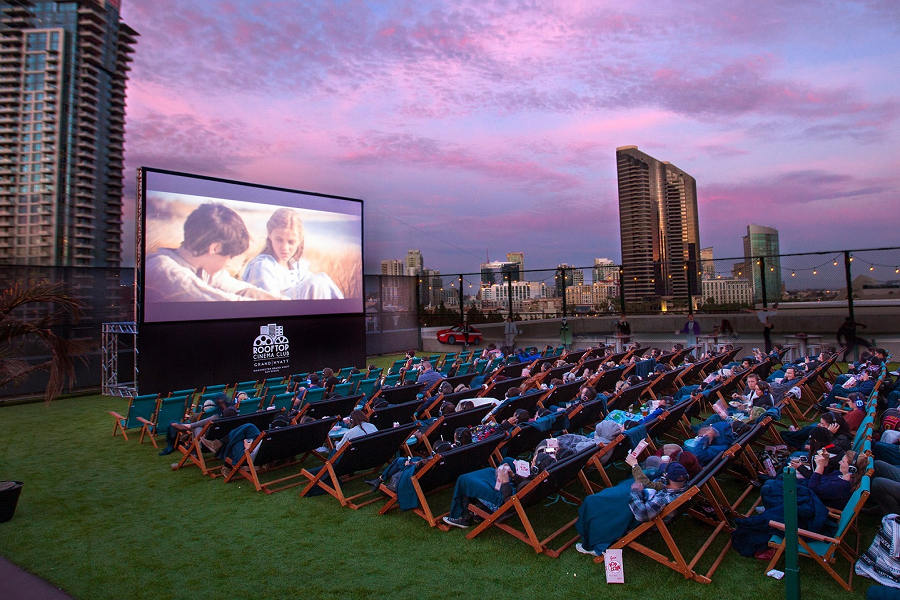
(645, 507)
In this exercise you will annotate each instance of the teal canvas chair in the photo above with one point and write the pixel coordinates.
(344, 373)
(342, 389)
(283, 401)
(367, 387)
(171, 410)
(140, 407)
(395, 368)
(355, 378)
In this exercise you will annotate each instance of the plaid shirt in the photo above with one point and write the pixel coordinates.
(646, 509)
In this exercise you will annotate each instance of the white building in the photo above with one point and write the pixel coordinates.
(728, 290)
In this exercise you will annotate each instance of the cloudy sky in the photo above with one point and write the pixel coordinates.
(474, 127)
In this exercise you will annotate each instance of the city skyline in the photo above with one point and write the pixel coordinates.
(465, 126)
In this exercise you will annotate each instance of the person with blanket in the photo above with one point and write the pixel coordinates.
(603, 518)
(492, 487)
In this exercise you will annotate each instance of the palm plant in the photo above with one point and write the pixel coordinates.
(28, 315)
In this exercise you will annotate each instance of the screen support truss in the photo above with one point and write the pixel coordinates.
(109, 349)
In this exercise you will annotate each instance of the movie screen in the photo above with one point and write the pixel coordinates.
(214, 249)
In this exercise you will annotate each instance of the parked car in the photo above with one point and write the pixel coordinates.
(463, 334)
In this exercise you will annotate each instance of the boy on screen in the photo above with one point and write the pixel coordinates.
(280, 269)
(195, 271)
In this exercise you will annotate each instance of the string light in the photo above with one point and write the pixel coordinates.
(872, 267)
(793, 274)
(815, 271)
(835, 262)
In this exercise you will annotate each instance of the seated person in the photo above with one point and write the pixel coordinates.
(711, 441)
(861, 383)
(857, 413)
(834, 422)
(604, 433)
(836, 476)
(223, 408)
(359, 426)
(195, 271)
(492, 487)
(603, 518)
(428, 375)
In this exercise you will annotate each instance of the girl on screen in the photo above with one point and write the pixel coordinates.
(280, 269)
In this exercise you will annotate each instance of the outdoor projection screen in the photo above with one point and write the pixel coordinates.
(244, 272)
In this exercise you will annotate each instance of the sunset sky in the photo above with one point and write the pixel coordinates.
(474, 127)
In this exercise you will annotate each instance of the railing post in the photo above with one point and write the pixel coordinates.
(622, 289)
(562, 279)
(762, 281)
(847, 271)
(462, 312)
(509, 294)
(791, 556)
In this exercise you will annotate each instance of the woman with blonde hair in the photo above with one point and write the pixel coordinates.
(279, 268)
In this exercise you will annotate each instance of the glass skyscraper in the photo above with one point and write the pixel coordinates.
(659, 228)
(63, 69)
(763, 242)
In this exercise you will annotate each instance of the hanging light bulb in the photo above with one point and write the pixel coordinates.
(793, 274)
(814, 271)
(835, 262)
(851, 258)
(897, 270)
(772, 269)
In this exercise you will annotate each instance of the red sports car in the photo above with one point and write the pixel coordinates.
(464, 334)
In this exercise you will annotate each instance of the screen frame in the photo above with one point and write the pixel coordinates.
(140, 237)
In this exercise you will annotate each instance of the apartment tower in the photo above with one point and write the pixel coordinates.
(660, 235)
(63, 69)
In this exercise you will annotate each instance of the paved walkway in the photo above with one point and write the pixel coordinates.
(17, 584)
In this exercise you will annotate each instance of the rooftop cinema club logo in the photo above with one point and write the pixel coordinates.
(271, 349)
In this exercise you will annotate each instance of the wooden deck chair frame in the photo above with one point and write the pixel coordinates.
(316, 434)
(447, 424)
(150, 428)
(543, 485)
(433, 468)
(147, 407)
(370, 464)
(192, 452)
(836, 545)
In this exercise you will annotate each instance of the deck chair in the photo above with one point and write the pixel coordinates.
(662, 384)
(444, 427)
(522, 440)
(215, 389)
(244, 386)
(354, 380)
(585, 415)
(333, 407)
(171, 410)
(273, 390)
(366, 387)
(189, 392)
(384, 418)
(312, 395)
(563, 393)
(395, 368)
(344, 373)
(409, 376)
(606, 380)
(342, 389)
(548, 482)
(390, 380)
(438, 472)
(660, 523)
(628, 396)
(282, 401)
(399, 395)
(250, 405)
(498, 389)
(279, 380)
(527, 401)
(143, 406)
(280, 444)
(366, 454)
(480, 366)
(824, 549)
(458, 379)
(376, 372)
(217, 429)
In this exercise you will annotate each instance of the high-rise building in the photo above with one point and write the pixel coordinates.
(762, 243)
(566, 276)
(414, 263)
(708, 266)
(659, 228)
(498, 272)
(392, 267)
(517, 257)
(63, 69)
(605, 270)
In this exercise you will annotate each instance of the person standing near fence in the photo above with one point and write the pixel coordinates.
(765, 317)
(623, 333)
(847, 338)
(691, 329)
(509, 332)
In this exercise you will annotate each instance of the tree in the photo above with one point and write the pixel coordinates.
(28, 316)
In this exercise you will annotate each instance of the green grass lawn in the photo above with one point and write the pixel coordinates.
(105, 518)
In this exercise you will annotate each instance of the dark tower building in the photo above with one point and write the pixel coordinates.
(659, 227)
(63, 69)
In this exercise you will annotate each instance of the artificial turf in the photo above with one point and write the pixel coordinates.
(105, 518)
